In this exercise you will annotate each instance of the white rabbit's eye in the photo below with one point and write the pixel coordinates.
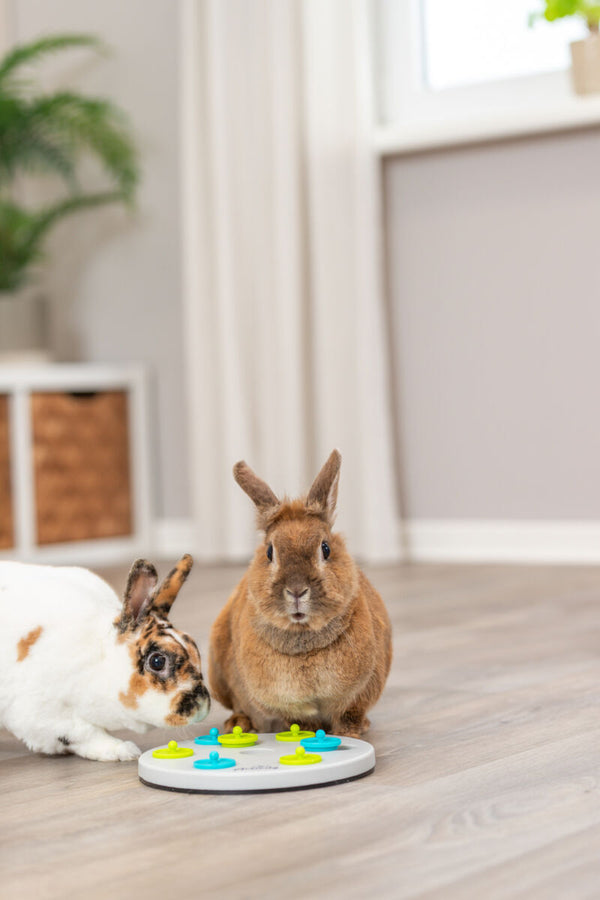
(325, 550)
(270, 552)
(157, 662)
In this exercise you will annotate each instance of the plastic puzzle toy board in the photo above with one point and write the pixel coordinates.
(257, 768)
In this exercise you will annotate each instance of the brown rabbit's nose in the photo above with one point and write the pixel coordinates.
(296, 593)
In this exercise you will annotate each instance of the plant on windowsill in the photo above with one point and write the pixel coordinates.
(49, 135)
(585, 54)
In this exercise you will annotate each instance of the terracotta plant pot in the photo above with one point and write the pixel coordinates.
(585, 56)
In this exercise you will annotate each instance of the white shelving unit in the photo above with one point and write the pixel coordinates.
(18, 383)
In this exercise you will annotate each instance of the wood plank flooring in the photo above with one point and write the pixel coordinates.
(487, 782)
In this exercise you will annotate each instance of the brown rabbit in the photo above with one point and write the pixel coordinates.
(304, 638)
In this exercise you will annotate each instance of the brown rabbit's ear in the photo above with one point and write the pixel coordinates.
(138, 593)
(323, 493)
(165, 595)
(257, 489)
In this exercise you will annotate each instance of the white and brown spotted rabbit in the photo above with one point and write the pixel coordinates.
(304, 638)
(77, 661)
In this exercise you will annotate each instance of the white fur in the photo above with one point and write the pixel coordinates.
(69, 682)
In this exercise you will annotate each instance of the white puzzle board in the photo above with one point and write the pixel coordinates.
(257, 768)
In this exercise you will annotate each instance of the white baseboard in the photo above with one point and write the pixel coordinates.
(168, 539)
(512, 541)
(452, 540)
(98, 552)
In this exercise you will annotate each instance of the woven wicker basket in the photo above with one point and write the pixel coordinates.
(81, 466)
(6, 501)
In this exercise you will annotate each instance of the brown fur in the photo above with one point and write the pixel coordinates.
(137, 686)
(326, 671)
(167, 592)
(26, 643)
(175, 720)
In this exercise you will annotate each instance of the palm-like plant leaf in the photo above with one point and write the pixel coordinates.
(77, 124)
(27, 145)
(17, 250)
(48, 133)
(22, 232)
(33, 52)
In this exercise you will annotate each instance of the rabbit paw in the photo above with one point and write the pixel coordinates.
(352, 724)
(240, 719)
(106, 748)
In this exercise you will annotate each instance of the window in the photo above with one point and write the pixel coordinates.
(450, 72)
(471, 41)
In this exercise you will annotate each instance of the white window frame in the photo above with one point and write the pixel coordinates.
(413, 117)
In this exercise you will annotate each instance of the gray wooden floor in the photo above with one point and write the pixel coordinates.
(487, 782)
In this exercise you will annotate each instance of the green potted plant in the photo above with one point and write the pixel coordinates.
(585, 54)
(47, 136)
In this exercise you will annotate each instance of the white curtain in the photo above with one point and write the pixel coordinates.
(285, 323)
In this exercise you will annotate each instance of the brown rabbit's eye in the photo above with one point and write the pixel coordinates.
(270, 552)
(325, 549)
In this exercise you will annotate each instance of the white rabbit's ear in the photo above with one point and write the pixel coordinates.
(165, 595)
(323, 493)
(139, 592)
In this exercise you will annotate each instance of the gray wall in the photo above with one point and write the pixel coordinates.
(495, 290)
(115, 280)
